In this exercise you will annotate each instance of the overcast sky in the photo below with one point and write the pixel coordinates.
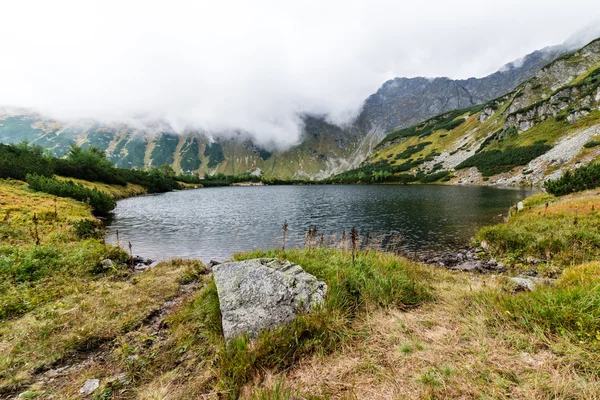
(255, 65)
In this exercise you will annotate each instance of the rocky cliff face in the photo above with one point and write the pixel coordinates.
(325, 149)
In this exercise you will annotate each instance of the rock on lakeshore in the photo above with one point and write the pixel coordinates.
(262, 293)
(464, 260)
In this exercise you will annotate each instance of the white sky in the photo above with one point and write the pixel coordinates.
(254, 65)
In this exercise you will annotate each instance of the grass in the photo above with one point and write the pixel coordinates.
(56, 297)
(117, 192)
(570, 308)
(388, 328)
(561, 235)
(454, 347)
(190, 359)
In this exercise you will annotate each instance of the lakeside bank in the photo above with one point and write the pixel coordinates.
(394, 326)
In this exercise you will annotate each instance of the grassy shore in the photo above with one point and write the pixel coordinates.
(389, 328)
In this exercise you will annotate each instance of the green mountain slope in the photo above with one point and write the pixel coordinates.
(547, 125)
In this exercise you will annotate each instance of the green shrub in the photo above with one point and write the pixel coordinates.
(591, 143)
(100, 202)
(16, 161)
(436, 176)
(494, 162)
(583, 178)
(410, 150)
(90, 164)
(88, 228)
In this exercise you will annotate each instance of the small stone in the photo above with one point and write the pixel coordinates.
(484, 245)
(107, 263)
(89, 386)
(523, 284)
(212, 264)
(520, 206)
(467, 266)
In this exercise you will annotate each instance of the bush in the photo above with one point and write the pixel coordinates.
(494, 162)
(583, 178)
(90, 164)
(591, 143)
(16, 161)
(436, 176)
(410, 150)
(100, 202)
(88, 228)
(157, 180)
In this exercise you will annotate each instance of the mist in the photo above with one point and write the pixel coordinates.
(257, 67)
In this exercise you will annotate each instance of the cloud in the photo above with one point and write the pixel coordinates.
(255, 66)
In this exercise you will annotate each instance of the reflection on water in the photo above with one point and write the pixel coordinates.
(214, 223)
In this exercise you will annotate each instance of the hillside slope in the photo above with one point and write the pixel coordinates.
(547, 125)
(324, 148)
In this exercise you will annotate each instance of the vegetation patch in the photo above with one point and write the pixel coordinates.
(214, 151)
(100, 202)
(591, 144)
(410, 150)
(556, 232)
(494, 162)
(582, 178)
(569, 308)
(16, 161)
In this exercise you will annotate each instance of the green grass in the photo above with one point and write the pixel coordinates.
(195, 341)
(561, 235)
(562, 318)
(56, 298)
(569, 308)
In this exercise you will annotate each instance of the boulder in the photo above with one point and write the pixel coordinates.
(263, 293)
(107, 263)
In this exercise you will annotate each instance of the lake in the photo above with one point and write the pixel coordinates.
(214, 223)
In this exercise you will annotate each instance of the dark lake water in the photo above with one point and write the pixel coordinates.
(214, 223)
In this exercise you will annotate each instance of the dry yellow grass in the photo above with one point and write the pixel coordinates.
(116, 191)
(441, 350)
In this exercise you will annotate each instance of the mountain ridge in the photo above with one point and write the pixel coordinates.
(325, 148)
(548, 124)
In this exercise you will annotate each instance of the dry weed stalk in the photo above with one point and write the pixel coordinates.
(131, 255)
(35, 224)
(285, 229)
(354, 239)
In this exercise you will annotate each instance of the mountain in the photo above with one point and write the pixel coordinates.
(324, 148)
(545, 126)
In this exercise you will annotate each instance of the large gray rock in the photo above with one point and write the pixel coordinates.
(262, 293)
